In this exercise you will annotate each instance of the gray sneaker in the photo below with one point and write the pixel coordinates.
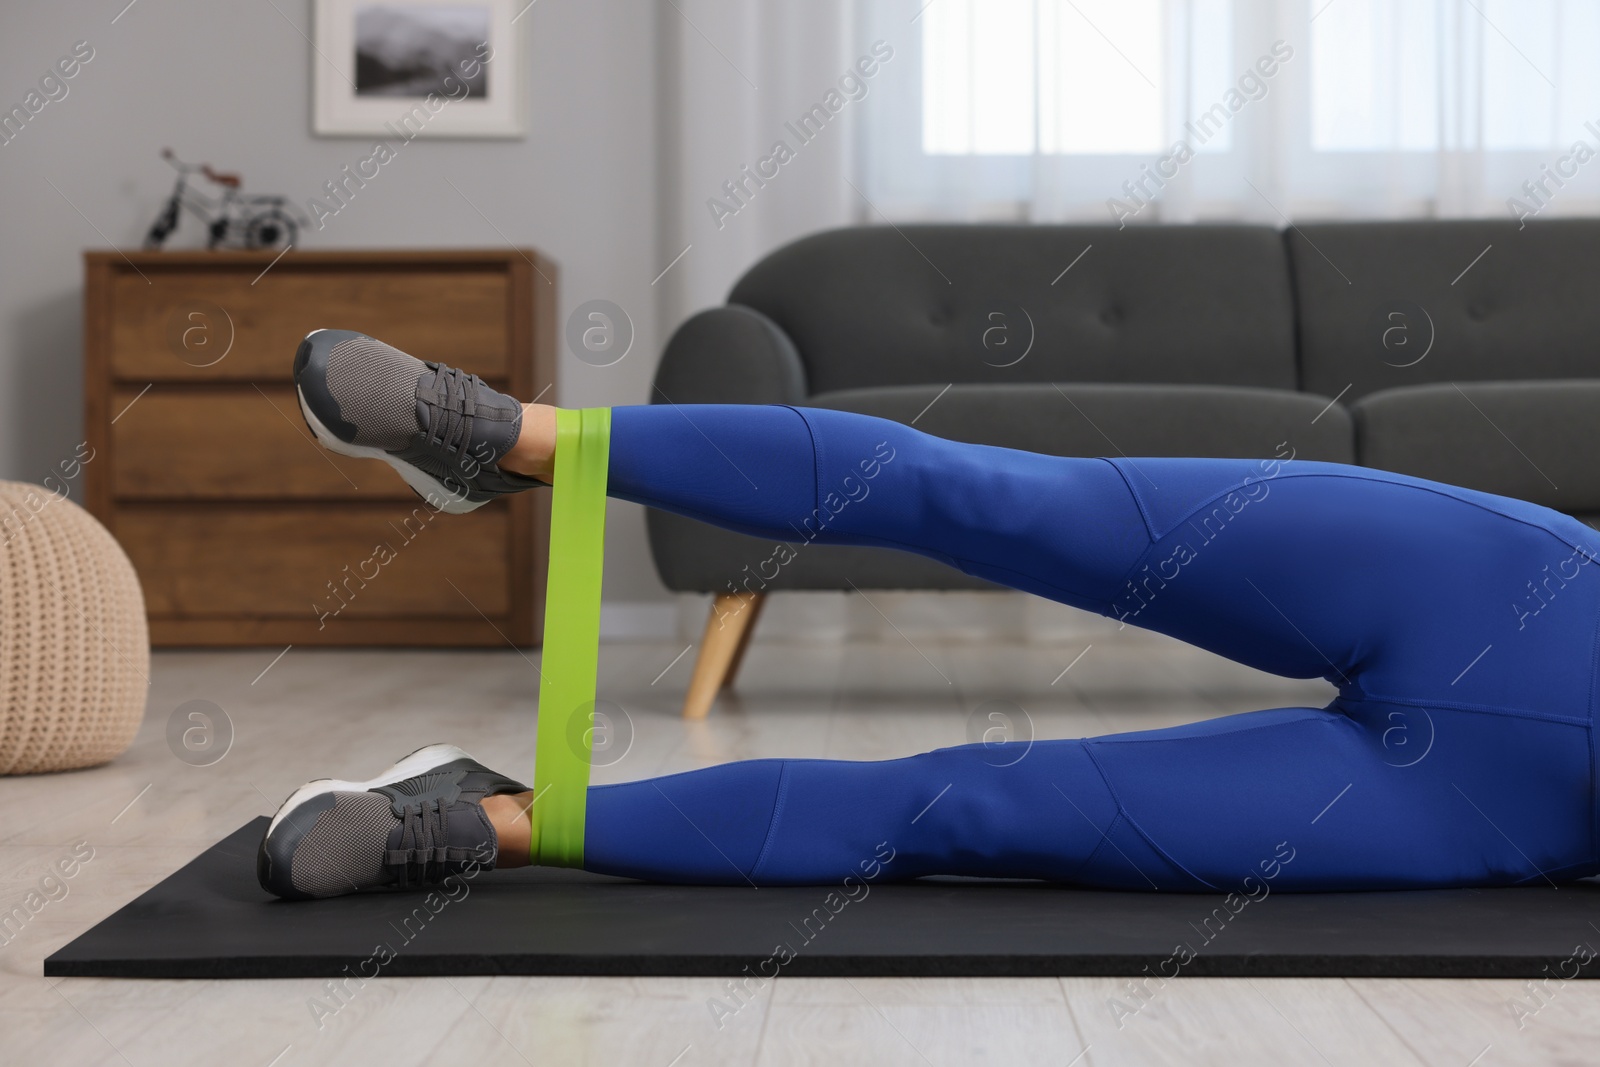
(443, 429)
(417, 823)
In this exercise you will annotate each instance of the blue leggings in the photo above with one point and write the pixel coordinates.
(1458, 626)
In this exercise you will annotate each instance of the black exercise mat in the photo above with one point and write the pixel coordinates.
(211, 920)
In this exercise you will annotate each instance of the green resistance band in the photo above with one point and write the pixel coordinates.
(571, 637)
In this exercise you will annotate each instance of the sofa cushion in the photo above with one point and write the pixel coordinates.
(1383, 305)
(1538, 441)
(879, 305)
(1072, 419)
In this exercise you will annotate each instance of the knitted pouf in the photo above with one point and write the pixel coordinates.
(74, 647)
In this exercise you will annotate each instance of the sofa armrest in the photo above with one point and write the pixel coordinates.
(729, 355)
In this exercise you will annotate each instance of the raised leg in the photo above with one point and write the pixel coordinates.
(727, 635)
(1068, 528)
(1381, 584)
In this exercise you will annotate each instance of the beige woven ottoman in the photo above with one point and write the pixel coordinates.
(74, 647)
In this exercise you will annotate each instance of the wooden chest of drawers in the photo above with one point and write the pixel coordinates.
(243, 530)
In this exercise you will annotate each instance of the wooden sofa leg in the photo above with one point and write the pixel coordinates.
(727, 635)
(751, 614)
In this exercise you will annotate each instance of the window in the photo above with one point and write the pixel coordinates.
(1051, 108)
(1425, 75)
(1002, 77)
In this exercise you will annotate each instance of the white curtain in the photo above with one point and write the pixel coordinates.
(737, 80)
(1177, 110)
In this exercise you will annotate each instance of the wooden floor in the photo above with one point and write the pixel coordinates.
(348, 714)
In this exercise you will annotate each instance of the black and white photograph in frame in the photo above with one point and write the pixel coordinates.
(435, 68)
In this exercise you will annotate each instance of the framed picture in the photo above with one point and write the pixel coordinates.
(419, 68)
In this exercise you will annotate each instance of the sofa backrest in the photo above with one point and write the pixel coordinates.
(1387, 304)
(883, 305)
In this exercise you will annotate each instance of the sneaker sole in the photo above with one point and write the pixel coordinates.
(421, 761)
(421, 482)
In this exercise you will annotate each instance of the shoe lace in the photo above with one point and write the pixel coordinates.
(424, 837)
(453, 400)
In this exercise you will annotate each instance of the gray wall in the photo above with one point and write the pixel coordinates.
(229, 83)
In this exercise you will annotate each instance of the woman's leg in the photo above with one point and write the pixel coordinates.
(1040, 810)
(1299, 568)
(1386, 586)
(1303, 569)
(1292, 798)
(1066, 528)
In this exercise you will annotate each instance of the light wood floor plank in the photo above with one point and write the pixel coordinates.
(1493, 1023)
(917, 1023)
(1228, 1021)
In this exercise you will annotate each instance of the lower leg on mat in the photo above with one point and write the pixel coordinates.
(974, 810)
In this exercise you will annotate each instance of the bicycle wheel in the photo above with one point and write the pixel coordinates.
(272, 228)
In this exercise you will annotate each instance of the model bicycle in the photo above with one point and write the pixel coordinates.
(232, 220)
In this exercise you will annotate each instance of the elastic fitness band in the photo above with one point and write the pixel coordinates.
(571, 637)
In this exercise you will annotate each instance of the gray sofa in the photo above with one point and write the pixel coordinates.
(1464, 351)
